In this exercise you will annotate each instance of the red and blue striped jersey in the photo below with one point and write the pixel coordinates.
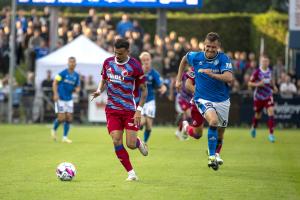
(265, 92)
(121, 80)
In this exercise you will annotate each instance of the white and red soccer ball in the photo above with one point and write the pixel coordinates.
(65, 171)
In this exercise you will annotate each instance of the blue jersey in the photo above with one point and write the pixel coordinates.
(153, 81)
(67, 82)
(206, 87)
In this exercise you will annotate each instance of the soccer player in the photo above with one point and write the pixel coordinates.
(194, 130)
(183, 99)
(213, 72)
(121, 74)
(64, 84)
(153, 81)
(264, 85)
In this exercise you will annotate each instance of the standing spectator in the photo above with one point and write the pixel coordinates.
(108, 21)
(47, 92)
(28, 97)
(124, 25)
(33, 43)
(45, 33)
(287, 88)
(19, 42)
(137, 28)
(278, 69)
(89, 19)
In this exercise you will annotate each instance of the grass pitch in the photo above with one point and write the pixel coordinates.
(253, 168)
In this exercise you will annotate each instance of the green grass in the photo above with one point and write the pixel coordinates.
(253, 168)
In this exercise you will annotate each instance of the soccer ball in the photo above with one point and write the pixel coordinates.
(65, 171)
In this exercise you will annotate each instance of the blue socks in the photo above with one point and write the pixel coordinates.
(146, 135)
(56, 124)
(66, 128)
(212, 137)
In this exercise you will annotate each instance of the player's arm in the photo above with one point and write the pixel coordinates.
(162, 89)
(57, 79)
(144, 92)
(253, 83)
(100, 89)
(189, 85)
(226, 77)
(181, 68)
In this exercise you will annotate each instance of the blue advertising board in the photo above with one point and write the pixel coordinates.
(176, 4)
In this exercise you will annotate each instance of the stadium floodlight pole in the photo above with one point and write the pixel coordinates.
(53, 27)
(161, 22)
(12, 60)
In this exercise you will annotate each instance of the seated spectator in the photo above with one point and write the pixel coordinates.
(287, 88)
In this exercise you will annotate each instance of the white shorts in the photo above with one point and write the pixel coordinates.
(222, 109)
(64, 106)
(149, 109)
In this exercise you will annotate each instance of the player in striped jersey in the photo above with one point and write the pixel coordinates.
(121, 74)
(263, 83)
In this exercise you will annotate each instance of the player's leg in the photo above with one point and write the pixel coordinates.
(133, 142)
(271, 123)
(221, 131)
(258, 106)
(59, 110)
(148, 128)
(222, 109)
(212, 136)
(194, 130)
(149, 114)
(69, 118)
(115, 128)
(122, 154)
(67, 123)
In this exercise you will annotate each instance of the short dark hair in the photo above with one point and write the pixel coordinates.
(212, 36)
(72, 58)
(121, 43)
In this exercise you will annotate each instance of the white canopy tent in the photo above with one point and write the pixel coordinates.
(89, 58)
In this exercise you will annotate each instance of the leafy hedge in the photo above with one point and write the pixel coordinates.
(272, 27)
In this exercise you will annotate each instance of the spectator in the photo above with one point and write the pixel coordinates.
(28, 92)
(90, 85)
(47, 92)
(124, 25)
(42, 50)
(138, 28)
(287, 88)
(89, 19)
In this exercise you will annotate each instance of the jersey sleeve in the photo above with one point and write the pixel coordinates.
(103, 71)
(254, 76)
(157, 79)
(190, 57)
(226, 64)
(191, 76)
(139, 75)
(60, 76)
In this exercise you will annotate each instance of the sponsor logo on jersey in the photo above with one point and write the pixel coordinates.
(115, 78)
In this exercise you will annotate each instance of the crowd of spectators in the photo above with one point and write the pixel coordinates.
(32, 42)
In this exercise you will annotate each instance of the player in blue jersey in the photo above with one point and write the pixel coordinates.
(213, 72)
(153, 82)
(64, 84)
